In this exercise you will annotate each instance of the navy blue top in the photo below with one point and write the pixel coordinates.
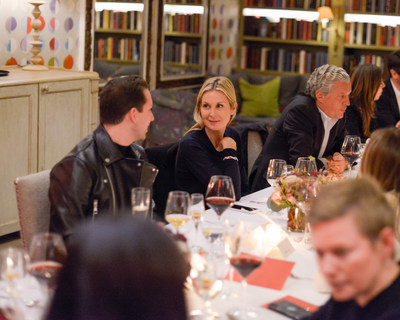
(197, 160)
(354, 124)
(385, 306)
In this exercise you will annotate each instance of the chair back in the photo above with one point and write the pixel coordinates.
(32, 192)
(164, 157)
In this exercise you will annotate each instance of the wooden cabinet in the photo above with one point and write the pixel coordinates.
(42, 116)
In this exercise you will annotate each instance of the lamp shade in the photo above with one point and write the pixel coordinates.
(325, 14)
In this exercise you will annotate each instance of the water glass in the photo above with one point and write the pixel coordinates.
(275, 170)
(306, 164)
(140, 202)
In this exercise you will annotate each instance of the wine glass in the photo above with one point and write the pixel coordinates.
(244, 262)
(287, 169)
(13, 267)
(176, 210)
(196, 209)
(306, 164)
(140, 197)
(275, 170)
(303, 198)
(207, 281)
(47, 254)
(220, 194)
(351, 149)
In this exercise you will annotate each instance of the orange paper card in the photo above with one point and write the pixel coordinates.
(300, 303)
(271, 274)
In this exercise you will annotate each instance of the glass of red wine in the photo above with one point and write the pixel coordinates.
(351, 149)
(47, 254)
(244, 262)
(220, 194)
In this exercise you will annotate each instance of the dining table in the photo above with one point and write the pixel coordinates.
(304, 281)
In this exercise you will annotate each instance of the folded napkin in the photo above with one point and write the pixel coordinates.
(271, 274)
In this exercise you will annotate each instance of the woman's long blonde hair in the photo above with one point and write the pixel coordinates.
(220, 83)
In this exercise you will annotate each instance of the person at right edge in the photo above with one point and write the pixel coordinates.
(352, 228)
(387, 113)
(311, 125)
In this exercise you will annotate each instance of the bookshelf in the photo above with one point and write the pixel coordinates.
(118, 34)
(372, 32)
(282, 37)
(184, 24)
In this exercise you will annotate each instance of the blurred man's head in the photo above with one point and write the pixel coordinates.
(353, 234)
(330, 87)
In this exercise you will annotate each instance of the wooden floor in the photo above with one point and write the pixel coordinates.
(11, 240)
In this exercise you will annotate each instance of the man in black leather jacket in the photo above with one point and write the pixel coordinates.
(97, 176)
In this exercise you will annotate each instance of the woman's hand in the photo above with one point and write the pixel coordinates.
(398, 125)
(227, 143)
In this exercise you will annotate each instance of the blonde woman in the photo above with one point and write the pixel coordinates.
(210, 147)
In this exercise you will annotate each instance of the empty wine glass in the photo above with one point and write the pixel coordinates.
(351, 149)
(244, 262)
(47, 254)
(196, 210)
(176, 210)
(306, 164)
(140, 197)
(207, 281)
(220, 194)
(275, 170)
(287, 169)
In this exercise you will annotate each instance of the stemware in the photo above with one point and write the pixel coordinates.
(176, 210)
(275, 170)
(287, 169)
(196, 210)
(140, 197)
(13, 262)
(220, 194)
(244, 262)
(207, 281)
(47, 255)
(303, 199)
(306, 164)
(351, 149)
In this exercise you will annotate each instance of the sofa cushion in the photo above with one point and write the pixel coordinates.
(260, 100)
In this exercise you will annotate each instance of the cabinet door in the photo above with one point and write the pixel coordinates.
(63, 119)
(18, 145)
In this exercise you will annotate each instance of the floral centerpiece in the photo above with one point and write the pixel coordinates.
(294, 191)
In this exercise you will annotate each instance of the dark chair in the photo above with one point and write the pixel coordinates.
(252, 136)
(164, 158)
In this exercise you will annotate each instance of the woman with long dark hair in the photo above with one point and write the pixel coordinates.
(366, 88)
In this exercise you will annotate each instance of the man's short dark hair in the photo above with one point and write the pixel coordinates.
(394, 62)
(120, 95)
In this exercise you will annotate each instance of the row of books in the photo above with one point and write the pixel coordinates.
(293, 4)
(373, 6)
(117, 48)
(108, 19)
(285, 29)
(350, 61)
(372, 34)
(182, 22)
(181, 52)
(264, 58)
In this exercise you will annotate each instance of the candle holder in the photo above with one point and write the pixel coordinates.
(36, 25)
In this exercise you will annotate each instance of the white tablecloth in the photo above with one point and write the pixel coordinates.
(300, 284)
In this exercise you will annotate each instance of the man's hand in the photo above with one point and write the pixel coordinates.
(338, 163)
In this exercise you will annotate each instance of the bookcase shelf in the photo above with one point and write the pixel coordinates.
(370, 47)
(118, 33)
(182, 35)
(276, 40)
(184, 44)
(311, 43)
